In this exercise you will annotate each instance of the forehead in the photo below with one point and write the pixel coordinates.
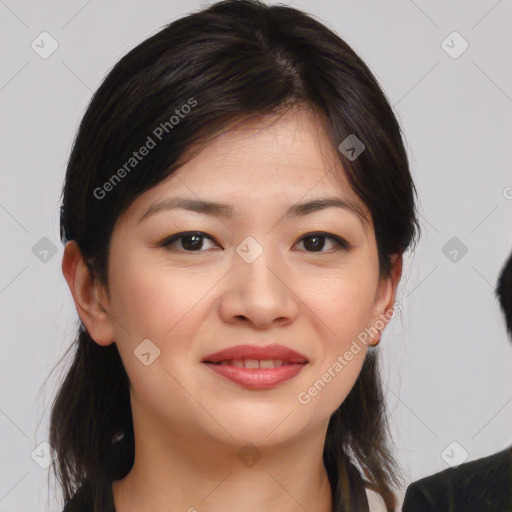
(263, 161)
(267, 154)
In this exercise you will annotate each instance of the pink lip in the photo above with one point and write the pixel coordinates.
(257, 378)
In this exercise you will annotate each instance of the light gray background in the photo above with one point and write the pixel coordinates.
(447, 357)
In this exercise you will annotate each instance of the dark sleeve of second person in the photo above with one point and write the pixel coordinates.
(484, 485)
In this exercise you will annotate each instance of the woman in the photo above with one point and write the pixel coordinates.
(235, 210)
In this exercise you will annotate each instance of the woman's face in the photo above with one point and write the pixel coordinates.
(254, 275)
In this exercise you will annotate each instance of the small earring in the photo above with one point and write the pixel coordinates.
(377, 339)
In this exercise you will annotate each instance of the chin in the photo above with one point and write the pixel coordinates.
(260, 423)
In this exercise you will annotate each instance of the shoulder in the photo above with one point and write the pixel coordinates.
(483, 484)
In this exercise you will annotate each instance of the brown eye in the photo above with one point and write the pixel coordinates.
(315, 242)
(190, 241)
(195, 241)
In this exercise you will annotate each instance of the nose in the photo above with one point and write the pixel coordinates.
(258, 294)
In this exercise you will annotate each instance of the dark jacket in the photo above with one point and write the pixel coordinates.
(483, 485)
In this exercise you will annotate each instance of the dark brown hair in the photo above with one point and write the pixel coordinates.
(235, 59)
(504, 292)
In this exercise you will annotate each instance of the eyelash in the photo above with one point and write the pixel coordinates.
(167, 243)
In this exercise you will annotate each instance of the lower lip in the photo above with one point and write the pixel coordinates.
(257, 378)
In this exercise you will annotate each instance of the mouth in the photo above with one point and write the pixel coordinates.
(255, 363)
(261, 368)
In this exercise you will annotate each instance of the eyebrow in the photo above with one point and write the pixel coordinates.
(226, 211)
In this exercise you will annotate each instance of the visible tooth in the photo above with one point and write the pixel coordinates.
(237, 362)
(251, 363)
(267, 363)
(224, 363)
(278, 362)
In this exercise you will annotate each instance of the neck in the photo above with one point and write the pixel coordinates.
(194, 475)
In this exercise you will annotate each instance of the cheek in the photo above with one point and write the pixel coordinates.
(151, 300)
(346, 304)
(167, 306)
(328, 387)
(153, 303)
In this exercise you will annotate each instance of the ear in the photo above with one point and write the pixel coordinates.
(386, 293)
(89, 296)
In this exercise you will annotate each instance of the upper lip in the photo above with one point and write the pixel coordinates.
(268, 352)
